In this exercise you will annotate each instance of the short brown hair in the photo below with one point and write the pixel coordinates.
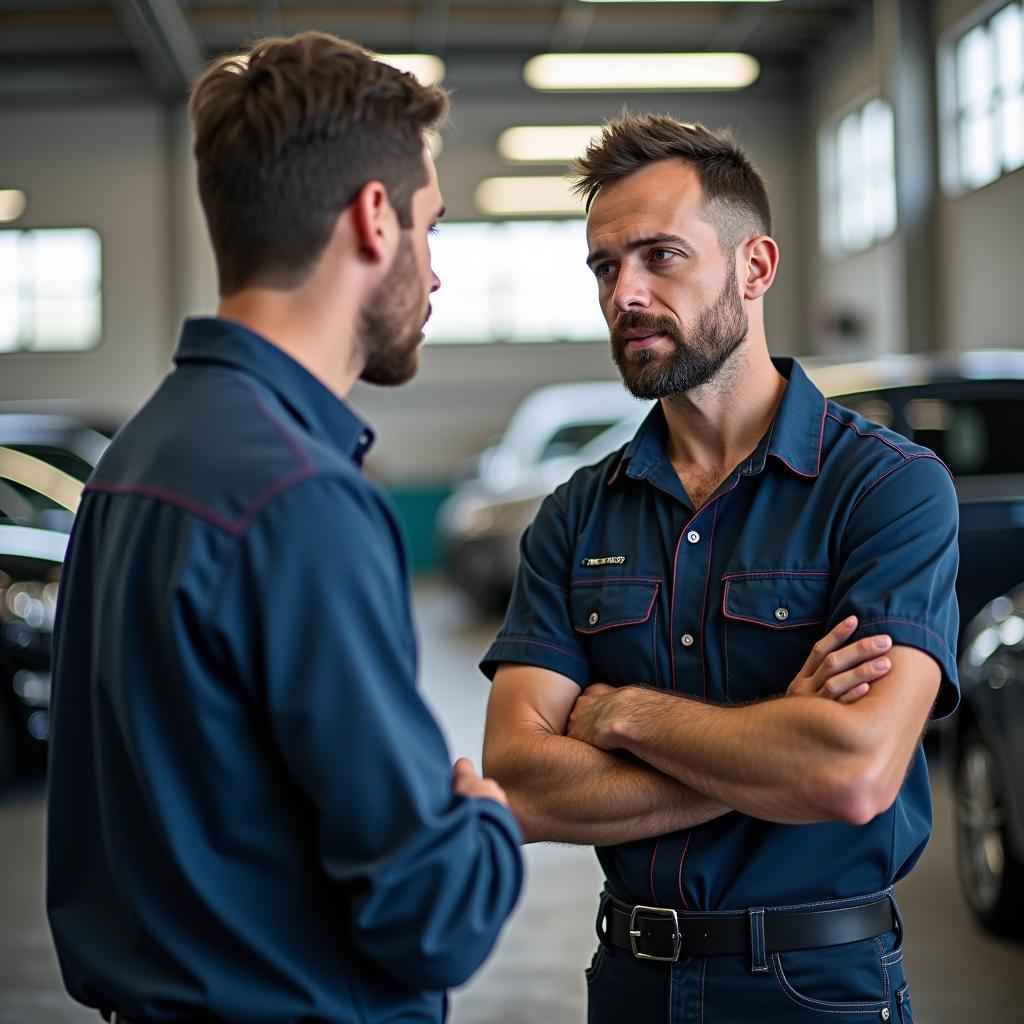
(287, 134)
(735, 196)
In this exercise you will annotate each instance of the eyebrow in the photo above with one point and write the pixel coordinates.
(603, 254)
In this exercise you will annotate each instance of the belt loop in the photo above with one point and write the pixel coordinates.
(758, 957)
(601, 924)
(897, 919)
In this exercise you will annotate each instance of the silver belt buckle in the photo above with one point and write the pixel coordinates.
(635, 933)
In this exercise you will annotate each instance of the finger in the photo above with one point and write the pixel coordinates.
(868, 672)
(596, 689)
(463, 772)
(846, 658)
(830, 642)
(851, 696)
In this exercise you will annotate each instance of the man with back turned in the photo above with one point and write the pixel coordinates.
(253, 816)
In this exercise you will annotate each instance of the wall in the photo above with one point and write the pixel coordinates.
(980, 239)
(106, 169)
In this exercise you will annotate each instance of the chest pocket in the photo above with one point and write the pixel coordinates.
(617, 621)
(771, 622)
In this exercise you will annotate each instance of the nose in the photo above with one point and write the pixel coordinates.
(435, 281)
(630, 291)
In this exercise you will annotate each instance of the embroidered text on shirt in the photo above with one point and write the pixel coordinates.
(609, 560)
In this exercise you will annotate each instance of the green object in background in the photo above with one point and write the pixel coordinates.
(417, 510)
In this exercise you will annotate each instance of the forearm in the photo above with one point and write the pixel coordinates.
(563, 790)
(793, 761)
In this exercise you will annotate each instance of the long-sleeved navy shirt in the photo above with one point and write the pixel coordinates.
(250, 814)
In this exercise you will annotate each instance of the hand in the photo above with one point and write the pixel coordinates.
(594, 714)
(842, 673)
(466, 782)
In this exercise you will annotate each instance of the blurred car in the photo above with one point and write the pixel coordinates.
(43, 461)
(989, 766)
(550, 431)
(963, 406)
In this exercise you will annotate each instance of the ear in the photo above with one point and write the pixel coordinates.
(375, 222)
(758, 260)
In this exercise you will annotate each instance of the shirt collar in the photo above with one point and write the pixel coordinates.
(319, 410)
(794, 436)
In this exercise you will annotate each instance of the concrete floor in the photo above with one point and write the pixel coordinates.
(956, 973)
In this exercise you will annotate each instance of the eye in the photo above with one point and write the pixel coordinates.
(601, 270)
(434, 229)
(662, 255)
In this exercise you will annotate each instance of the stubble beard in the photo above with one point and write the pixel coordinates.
(698, 356)
(390, 324)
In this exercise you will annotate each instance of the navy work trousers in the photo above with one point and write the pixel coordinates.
(856, 983)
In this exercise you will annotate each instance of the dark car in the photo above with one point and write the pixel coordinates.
(965, 407)
(988, 756)
(43, 462)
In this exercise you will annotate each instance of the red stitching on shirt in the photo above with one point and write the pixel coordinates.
(628, 622)
(892, 469)
(541, 643)
(614, 579)
(171, 497)
(704, 606)
(297, 451)
(263, 499)
(776, 572)
(733, 617)
(679, 873)
(650, 874)
(916, 625)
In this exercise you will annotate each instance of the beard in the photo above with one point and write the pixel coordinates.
(390, 323)
(698, 354)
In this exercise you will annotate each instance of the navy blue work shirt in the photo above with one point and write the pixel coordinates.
(250, 814)
(621, 581)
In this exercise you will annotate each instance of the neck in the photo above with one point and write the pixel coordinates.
(319, 335)
(716, 426)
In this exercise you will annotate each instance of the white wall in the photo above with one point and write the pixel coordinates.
(106, 169)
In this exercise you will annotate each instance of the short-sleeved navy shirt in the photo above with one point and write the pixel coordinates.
(621, 581)
(251, 815)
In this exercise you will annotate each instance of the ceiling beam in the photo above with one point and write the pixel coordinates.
(161, 36)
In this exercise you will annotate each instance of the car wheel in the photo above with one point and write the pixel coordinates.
(991, 877)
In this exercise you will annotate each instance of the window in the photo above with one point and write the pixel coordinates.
(857, 179)
(982, 83)
(50, 284)
(514, 281)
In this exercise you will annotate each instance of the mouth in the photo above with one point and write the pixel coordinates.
(637, 339)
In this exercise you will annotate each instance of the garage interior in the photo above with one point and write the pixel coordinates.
(94, 135)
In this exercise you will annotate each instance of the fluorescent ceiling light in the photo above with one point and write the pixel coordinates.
(12, 203)
(425, 66)
(538, 144)
(516, 196)
(679, 1)
(659, 72)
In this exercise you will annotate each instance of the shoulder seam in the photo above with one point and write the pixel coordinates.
(892, 469)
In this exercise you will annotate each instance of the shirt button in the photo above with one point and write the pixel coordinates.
(693, 536)
(686, 639)
(593, 618)
(782, 614)
(364, 438)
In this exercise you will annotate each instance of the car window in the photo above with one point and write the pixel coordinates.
(569, 439)
(973, 437)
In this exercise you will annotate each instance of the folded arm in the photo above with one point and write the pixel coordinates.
(565, 790)
(794, 760)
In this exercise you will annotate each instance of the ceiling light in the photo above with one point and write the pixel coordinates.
(516, 196)
(12, 203)
(679, 1)
(425, 66)
(540, 144)
(659, 72)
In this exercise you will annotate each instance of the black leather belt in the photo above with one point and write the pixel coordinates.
(660, 933)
